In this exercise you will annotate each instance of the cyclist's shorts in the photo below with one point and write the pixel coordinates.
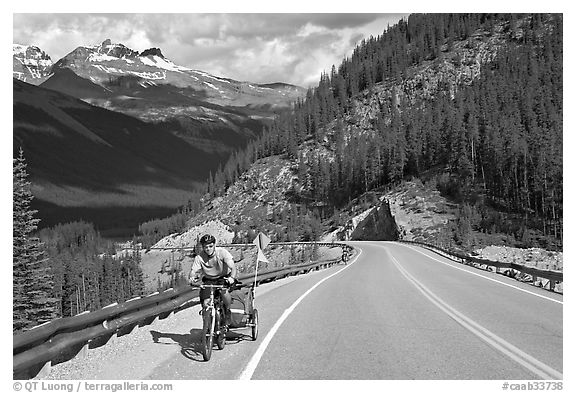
(205, 292)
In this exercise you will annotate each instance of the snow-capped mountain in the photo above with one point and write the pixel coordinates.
(116, 67)
(30, 64)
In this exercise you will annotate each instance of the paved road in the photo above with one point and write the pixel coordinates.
(395, 312)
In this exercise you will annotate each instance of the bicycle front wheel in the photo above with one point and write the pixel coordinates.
(221, 333)
(208, 334)
(254, 325)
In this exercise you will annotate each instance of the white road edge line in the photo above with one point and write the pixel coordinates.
(480, 275)
(253, 363)
(542, 370)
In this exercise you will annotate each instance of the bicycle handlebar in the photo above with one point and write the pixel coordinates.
(216, 286)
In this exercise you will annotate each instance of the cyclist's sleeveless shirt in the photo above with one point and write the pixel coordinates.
(216, 266)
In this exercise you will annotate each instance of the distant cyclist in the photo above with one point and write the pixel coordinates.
(211, 264)
(345, 255)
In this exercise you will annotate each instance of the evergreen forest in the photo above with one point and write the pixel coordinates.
(498, 140)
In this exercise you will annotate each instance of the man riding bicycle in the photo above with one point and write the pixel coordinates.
(211, 264)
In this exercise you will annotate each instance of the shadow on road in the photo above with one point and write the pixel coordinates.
(191, 344)
(235, 336)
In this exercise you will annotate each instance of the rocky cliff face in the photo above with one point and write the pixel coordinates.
(255, 196)
(378, 225)
(116, 50)
(152, 52)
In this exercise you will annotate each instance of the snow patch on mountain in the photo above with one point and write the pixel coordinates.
(101, 57)
(150, 75)
(18, 49)
(211, 85)
(204, 74)
(108, 69)
(156, 61)
(33, 62)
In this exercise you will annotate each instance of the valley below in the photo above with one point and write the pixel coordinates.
(116, 223)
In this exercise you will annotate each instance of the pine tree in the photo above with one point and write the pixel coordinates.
(33, 301)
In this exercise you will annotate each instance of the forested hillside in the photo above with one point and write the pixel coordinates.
(87, 274)
(494, 138)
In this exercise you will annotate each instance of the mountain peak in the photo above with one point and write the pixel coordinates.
(152, 52)
(29, 52)
(115, 50)
(30, 63)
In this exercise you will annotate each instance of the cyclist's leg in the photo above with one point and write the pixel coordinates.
(204, 297)
(204, 302)
(226, 301)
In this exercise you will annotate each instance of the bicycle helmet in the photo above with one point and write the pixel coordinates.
(207, 239)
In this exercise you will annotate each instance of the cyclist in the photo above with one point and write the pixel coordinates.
(211, 264)
(345, 255)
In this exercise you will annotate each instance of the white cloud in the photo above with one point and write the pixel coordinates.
(261, 48)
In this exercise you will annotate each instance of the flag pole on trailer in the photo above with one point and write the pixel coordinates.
(256, 273)
(261, 241)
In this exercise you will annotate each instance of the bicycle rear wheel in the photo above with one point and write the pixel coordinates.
(207, 334)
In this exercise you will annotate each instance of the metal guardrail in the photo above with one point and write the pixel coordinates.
(252, 245)
(553, 276)
(62, 339)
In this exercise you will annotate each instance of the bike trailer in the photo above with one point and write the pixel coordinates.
(241, 307)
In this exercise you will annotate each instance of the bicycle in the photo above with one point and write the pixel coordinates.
(212, 316)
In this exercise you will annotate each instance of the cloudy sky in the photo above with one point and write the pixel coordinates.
(255, 47)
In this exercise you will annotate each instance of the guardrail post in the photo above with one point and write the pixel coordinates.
(83, 353)
(44, 371)
(102, 340)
